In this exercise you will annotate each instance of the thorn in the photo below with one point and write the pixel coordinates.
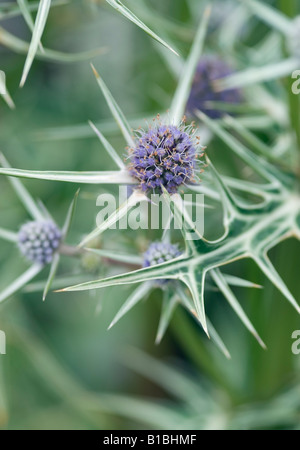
(95, 71)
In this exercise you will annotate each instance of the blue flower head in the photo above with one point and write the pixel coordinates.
(209, 69)
(39, 240)
(165, 155)
(160, 252)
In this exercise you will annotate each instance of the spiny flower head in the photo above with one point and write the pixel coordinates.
(209, 69)
(160, 252)
(165, 155)
(39, 240)
(294, 38)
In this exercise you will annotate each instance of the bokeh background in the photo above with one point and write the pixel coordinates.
(63, 369)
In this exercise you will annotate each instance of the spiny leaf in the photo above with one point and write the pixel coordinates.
(215, 337)
(122, 257)
(19, 46)
(20, 282)
(258, 164)
(187, 226)
(269, 270)
(231, 208)
(52, 273)
(8, 235)
(24, 7)
(168, 306)
(269, 15)
(135, 198)
(137, 295)
(115, 110)
(108, 177)
(58, 283)
(70, 215)
(257, 74)
(183, 88)
(9, 10)
(22, 193)
(169, 270)
(108, 147)
(39, 26)
(116, 4)
(228, 294)
(195, 281)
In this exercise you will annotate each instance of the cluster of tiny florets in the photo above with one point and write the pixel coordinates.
(160, 252)
(165, 155)
(203, 91)
(294, 38)
(39, 240)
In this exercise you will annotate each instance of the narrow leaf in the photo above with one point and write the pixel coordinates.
(269, 270)
(122, 257)
(257, 75)
(258, 164)
(8, 235)
(70, 215)
(116, 4)
(109, 177)
(115, 110)
(135, 198)
(217, 340)
(22, 192)
(137, 295)
(19, 46)
(108, 147)
(230, 297)
(230, 207)
(195, 281)
(269, 15)
(180, 98)
(24, 7)
(174, 269)
(168, 306)
(39, 26)
(20, 282)
(52, 273)
(237, 281)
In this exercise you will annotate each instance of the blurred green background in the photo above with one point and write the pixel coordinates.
(63, 369)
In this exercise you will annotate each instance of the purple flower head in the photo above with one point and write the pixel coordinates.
(39, 240)
(160, 252)
(209, 69)
(165, 155)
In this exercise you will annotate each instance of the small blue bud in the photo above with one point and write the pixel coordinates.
(39, 240)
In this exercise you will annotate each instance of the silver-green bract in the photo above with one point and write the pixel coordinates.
(34, 49)
(38, 214)
(289, 29)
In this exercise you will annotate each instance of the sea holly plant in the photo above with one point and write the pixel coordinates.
(171, 157)
(250, 231)
(163, 158)
(40, 241)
